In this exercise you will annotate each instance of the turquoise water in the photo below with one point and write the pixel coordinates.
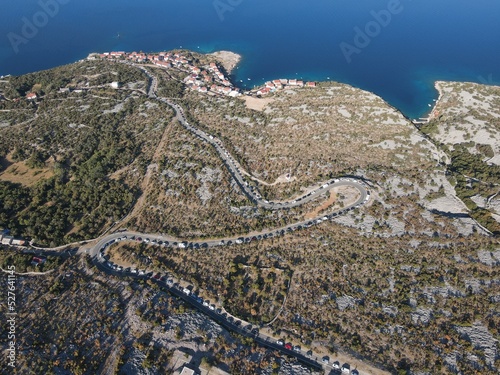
(398, 59)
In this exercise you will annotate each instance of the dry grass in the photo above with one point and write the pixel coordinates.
(330, 201)
(118, 255)
(332, 129)
(20, 173)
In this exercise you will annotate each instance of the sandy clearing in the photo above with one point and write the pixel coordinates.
(257, 104)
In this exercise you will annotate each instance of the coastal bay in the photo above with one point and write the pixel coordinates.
(399, 59)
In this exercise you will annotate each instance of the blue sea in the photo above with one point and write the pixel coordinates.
(394, 48)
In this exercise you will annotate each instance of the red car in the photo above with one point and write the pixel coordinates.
(288, 346)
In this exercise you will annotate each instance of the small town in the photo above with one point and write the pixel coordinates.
(210, 79)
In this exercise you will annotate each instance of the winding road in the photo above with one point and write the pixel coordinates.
(97, 250)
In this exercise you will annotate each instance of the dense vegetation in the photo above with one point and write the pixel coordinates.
(474, 176)
(22, 262)
(78, 140)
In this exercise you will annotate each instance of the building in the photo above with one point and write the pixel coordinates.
(117, 54)
(31, 96)
(7, 240)
(187, 371)
(269, 85)
(36, 261)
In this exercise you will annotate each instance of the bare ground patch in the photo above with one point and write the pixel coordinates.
(331, 200)
(257, 104)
